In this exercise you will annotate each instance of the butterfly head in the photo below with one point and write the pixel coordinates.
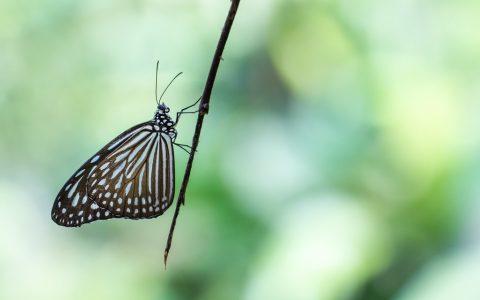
(163, 109)
(161, 115)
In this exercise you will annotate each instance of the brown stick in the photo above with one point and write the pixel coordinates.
(204, 105)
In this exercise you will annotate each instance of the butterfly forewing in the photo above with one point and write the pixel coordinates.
(73, 207)
(77, 203)
(136, 180)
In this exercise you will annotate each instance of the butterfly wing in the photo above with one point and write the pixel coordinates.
(73, 206)
(136, 180)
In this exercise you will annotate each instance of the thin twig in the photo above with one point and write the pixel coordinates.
(204, 105)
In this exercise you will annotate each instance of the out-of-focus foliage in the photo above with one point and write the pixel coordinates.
(340, 158)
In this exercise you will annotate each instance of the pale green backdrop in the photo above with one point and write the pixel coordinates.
(340, 158)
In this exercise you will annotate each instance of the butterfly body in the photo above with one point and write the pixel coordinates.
(163, 120)
(132, 177)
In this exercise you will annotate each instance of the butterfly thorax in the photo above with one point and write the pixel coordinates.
(164, 122)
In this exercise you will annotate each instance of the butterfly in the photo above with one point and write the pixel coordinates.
(132, 177)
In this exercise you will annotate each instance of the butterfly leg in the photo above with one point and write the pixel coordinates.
(183, 110)
(184, 147)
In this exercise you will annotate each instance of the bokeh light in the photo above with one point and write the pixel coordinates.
(340, 158)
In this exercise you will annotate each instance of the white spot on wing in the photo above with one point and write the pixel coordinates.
(150, 166)
(91, 171)
(140, 181)
(105, 171)
(170, 167)
(75, 199)
(72, 190)
(121, 156)
(119, 183)
(127, 189)
(164, 165)
(118, 169)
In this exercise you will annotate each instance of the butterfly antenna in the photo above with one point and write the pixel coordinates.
(156, 84)
(158, 101)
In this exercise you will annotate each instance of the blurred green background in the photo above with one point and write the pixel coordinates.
(340, 158)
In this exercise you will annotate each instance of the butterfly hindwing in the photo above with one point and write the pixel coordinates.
(136, 179)
(73, 206)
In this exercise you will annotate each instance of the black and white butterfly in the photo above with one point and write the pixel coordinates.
(132, 177)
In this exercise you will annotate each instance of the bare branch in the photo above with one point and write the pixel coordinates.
(204, 105)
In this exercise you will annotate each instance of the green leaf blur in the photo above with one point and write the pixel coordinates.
(339, 160)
